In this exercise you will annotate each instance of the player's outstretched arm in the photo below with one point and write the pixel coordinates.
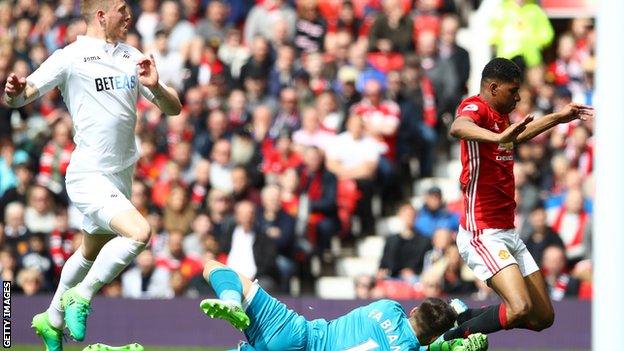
(165, 97)
(465, 128)
(569, 113)
(18, 92)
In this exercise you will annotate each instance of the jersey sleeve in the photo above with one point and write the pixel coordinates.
(472, 110)
(51, 73)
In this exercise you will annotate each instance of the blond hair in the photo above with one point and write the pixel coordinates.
(88, 8)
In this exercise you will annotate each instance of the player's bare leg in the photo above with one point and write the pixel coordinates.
(113, 257)
(510, 286)
(542, 315)
(231, 288)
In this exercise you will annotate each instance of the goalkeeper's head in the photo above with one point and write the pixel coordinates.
(432, 318)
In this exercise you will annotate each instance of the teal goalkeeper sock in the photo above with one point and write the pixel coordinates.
(226, 284)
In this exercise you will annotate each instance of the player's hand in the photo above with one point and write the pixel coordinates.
(14, 85)
(509, 135)
(574, 111)
(148, 75)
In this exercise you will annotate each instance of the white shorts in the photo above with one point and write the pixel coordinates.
(99, 197)
(488, 251)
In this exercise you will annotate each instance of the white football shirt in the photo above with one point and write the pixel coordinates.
(100, 86)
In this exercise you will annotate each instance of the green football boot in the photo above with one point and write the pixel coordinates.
(474, 342)
(103, 347)
(77, 310)
(52, 337)
(226, 310)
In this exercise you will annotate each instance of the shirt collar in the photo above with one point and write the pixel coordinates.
(98, 42)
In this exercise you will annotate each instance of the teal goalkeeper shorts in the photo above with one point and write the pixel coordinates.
(276, 327)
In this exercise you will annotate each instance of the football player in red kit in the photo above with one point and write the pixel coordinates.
(486, 238)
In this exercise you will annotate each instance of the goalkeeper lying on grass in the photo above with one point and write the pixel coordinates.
(383, 325)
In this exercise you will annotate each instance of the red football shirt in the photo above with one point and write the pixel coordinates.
(487, 179)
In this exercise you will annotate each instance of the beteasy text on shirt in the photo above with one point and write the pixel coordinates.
(116, 82)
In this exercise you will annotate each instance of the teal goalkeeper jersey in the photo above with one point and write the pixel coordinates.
(381, 325)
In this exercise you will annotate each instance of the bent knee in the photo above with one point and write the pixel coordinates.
(140, 231)
(543, 322)
(518, 310)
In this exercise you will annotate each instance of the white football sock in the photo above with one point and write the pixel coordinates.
(74, 270)
(112, 259)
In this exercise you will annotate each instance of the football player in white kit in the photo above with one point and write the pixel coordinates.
(100, 79)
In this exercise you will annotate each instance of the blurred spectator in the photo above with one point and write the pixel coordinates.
(454, 274)
(221, 167)
(173, 258)
(179, 212)
(237, 113)
(311, 133)
(282, 74)
(140, 196)
(145, 280)
(39, 213)
(55, 158)
(170, 62)
(279, 226)
(233, 53)
(280, 156)
(541, 235)
(8, 265)
(288, 182)
(392, 29)
(37, 257)
(178, 283)
(220, 210)
(182, 154)
(450, 50)
(201, 185)
(353, 157)
(434, 214)
(201, 227)
(287, 117)
(147, 20)
(441, 71)
(15, 230)
(216, 128)
(264, 15)
(560, 283)
(180, 31)
(113, 290)
(404, 252)
(259, 64)
(214, 26)
(573, 224)
(9, 156)
(151, 162)
(249, 250)
(168, 180)
(365, 288)
(441, 240)
(24, 174)
(318, 189)
(30, 281)
(331, 117)
(310, 27)
(520, 30)
(380, 117)
(61, 242)
(242, 190)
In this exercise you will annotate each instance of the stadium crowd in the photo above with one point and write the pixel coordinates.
(305, 125)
